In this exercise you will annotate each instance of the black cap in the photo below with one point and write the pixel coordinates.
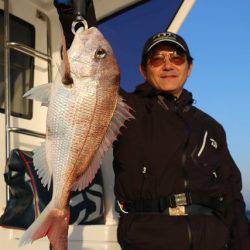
(167, 37)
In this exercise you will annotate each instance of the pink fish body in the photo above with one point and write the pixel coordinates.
(83, 120)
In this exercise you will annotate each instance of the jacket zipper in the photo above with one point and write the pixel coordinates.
(185, 175)
(190, 238)
(183, 161)
(203, 144)
(184, 152)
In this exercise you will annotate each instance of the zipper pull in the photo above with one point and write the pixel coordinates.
(143, 177)
(215, 175)
(186, 183)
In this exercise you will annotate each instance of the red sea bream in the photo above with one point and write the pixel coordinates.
(84, 117)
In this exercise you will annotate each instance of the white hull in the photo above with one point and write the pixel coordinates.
(101, 237)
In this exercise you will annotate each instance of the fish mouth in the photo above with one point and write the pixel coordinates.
(67, 80)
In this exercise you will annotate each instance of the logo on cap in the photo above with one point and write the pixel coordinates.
(170, 35)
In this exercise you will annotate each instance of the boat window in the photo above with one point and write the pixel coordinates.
(21, 66)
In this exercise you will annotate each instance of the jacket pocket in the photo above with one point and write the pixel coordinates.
(148, 186)
(124, 226)
(206, 153)
(217, 234)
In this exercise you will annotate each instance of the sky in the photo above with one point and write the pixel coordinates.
(218, 36)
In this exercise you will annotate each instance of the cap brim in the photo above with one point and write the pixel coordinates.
(167, 41)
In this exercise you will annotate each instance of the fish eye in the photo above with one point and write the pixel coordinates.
(100, 53)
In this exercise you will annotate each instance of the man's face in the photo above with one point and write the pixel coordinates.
(171, 74)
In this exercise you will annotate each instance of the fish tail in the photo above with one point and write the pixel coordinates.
(52, 222)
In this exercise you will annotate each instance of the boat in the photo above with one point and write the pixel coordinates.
(30, 38)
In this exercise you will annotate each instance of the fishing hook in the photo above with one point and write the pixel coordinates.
(79, 20)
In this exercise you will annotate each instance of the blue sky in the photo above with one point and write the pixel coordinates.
(218, 35)
(219, 39)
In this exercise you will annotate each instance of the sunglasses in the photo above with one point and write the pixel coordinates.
(160, 59)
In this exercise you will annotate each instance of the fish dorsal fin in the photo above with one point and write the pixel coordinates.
(41, 165)
(121, 114)
(40, 93)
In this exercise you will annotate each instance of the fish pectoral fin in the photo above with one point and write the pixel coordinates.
(121, 114)
(40, 93)
(41, 165)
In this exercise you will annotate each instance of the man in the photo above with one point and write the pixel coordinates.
(176, 184)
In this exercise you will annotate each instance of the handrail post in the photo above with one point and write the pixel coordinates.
(31, 52)
(45, 18)
(7, 105)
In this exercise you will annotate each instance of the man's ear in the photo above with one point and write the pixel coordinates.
(143, 71)
(190, 69)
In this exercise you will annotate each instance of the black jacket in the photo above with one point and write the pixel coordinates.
(171, 147)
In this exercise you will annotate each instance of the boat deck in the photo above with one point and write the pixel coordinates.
(96, 237)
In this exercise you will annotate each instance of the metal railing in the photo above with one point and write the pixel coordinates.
(26, 132)
(28, 51)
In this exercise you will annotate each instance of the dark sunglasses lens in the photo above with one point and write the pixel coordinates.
(157, 61)
(177, 59)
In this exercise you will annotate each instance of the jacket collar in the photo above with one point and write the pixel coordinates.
(147, 90)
